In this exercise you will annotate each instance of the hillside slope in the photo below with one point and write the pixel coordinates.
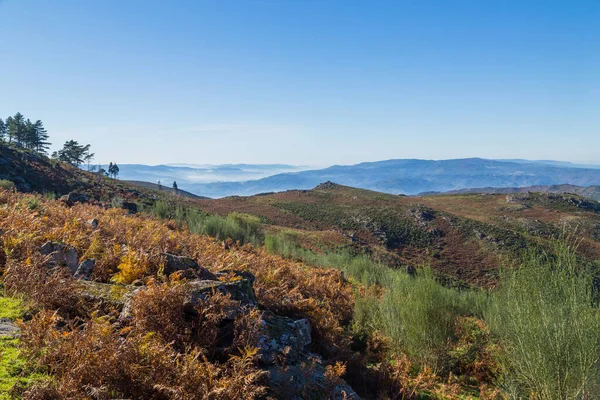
(466, 238)
(591, 192)
(154, 186)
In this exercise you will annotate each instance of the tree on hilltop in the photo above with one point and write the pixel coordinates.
(2, 130)
(175, 187)
(73, 153)
(113, 170)
(16, 128)
(25, 133)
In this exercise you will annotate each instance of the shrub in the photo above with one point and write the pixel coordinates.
(547, 321)
(6, 184)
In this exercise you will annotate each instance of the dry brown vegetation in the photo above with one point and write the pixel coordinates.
(160, 351)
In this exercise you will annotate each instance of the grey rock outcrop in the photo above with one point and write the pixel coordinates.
(284, 338)
(61, 255)
(85, 269)
(73, 197)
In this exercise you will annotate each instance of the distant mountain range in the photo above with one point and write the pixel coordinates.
(412, 176)
(188, 174)
(403, 176)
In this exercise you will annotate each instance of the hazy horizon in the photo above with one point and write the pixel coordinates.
(307, 83)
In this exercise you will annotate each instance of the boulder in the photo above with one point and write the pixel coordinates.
(299, 382)
(72, 198)
(175, 263)
(61, 255)
(131, 207)
(85, 269)
(284, 337)
(240, 290)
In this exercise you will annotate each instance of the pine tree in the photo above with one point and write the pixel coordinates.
(16, 128)
(2, 130)
(159, 185)
(87, 158)
(115, 171)
(175, 187)
(73, 153)
(41, 144)
(29, 138)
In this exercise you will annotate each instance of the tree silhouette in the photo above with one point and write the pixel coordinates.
(73, 153)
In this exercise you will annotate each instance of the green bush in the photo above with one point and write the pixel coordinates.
(547, 320)
(6, 184)
(236, 226)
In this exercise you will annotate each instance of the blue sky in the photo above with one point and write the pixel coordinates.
(307, 81)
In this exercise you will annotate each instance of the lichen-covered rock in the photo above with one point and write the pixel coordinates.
(284, 337)
(240, 290)
(61, 255)
(107, 296)
(85, 269)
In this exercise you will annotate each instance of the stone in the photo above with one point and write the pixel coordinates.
(93, 223)
(240, 290)
(73, 197)
(175, 263)
(85, 269)
(284, 337)
(8, 328)
(237, 274)
(300, 381)
(61, 255)
(131, 207)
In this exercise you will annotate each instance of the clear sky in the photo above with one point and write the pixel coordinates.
(307, 81)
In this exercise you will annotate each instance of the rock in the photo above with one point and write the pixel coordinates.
(107, 296)
(93, 223)
(240, 290)
(24, 187)
(422, 215)
(176, 263)
(284, 337)
(72, 198)
(62, 255)
(8, 328)
(300, 382)
(238, 274)
(131, 207)
(85, 269)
